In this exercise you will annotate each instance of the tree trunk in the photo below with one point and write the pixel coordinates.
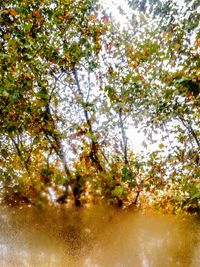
(124, 137)
(94, 144)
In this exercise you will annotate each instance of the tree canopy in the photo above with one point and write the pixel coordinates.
(72, 83)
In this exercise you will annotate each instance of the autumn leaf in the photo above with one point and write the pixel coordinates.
(13, 12)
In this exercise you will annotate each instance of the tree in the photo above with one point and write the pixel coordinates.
(166, 56)
(43, 43)
(71, 85)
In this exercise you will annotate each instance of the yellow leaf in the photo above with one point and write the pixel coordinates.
(177, 46)
(161, 146)
(145, 52)
(6, 36)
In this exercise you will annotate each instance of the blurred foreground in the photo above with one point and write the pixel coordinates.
(96, 237)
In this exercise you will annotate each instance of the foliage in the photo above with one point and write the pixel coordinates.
(72, 83)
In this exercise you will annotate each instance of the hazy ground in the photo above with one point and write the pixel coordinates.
(96, 237)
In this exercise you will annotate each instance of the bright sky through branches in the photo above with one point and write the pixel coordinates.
(113, 7)
(138, 139)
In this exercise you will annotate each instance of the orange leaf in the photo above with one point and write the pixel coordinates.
(36, 13)
(13, 12)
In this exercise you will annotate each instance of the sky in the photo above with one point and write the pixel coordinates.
(112, 7)
(136, 137)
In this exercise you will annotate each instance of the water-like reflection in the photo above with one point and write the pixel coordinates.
(96, 237)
